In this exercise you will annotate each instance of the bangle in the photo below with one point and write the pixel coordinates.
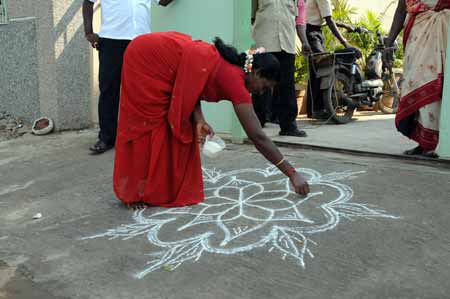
(281, 162)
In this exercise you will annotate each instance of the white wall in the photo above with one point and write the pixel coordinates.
(377, 6)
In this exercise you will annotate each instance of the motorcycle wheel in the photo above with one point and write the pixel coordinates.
(390, 99)
(337, 103)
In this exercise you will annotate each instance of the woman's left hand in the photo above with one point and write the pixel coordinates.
(203, 129)
(300, 184)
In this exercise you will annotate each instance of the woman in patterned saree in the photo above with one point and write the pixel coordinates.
(426, 24)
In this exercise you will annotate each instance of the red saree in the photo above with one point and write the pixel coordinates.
(425, 41)
(157, 157)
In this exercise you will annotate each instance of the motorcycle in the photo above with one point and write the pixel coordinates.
(346, 87)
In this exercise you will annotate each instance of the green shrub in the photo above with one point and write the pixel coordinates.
(301, 70)
(343, 12)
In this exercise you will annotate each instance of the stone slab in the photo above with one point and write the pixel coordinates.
(19, 87)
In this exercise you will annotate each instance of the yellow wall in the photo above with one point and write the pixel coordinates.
(377, 6)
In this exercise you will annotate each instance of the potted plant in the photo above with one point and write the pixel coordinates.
(301, 82)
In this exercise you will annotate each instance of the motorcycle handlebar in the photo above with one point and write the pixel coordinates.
(351, 29)
(362, 30)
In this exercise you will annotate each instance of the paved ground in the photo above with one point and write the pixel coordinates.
(373, 228)
(369, 132)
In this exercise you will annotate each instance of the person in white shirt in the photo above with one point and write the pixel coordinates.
(122, 21)
(319, 12)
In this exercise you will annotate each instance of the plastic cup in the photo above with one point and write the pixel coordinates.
(213, 146)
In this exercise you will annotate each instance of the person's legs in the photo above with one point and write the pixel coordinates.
(111, 58)
(314, 97)
(286, 102)
(265, 106)
(271, 113)
(260, 104)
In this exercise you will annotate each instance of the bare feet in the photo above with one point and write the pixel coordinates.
(137, 206)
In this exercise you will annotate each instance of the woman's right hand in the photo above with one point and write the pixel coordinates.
(203, 129)
(299, 183)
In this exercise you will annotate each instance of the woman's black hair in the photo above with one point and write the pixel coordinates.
(266, 64)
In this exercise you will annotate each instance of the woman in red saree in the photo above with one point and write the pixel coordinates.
(425, 40)
(160, 121)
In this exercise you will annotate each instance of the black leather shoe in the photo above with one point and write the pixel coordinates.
(100, 147)
(294, 133)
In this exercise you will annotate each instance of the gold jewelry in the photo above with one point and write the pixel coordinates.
(281, 162)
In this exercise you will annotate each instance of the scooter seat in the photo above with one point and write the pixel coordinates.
(372, 83)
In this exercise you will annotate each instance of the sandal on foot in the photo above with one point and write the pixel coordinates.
(100, 147)
(430, 154)
(136, 206)
(414, 152)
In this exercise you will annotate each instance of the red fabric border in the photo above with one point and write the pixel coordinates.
(425, 95)
(427, 139)
(408, 29)
(442, 4)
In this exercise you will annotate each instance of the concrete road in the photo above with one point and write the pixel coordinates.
(372, 228)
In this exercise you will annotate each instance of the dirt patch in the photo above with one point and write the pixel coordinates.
(17, 283)
(12, 127)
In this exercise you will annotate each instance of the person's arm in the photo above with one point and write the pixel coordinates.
(326, 13)
(88, 15)
(198, 113)
(345, 26)
(301, 27)
(396, 28)
(397, 23)
(301, 32)
(332, 25)
(165, 2)
(267, 148)
(202, 128)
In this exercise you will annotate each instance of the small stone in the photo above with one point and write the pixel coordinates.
(10, 127)
(37, 216)
(23, 130)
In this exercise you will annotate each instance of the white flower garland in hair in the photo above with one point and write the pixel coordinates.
(248, 66)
